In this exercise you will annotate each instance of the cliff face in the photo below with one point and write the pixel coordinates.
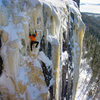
(51, 70)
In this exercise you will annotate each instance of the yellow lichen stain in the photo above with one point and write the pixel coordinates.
(7, 96)
(53, 25)
(4, 35)
(34, 75)
(81, 37)
(14, 84)
(76, 84)
(56, 68)
(44, 96)
(13, 97)
(21, 87)
(28, 63)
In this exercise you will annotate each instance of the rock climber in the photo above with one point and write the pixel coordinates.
(32, 39)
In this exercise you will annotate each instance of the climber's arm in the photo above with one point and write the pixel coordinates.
(35, 32)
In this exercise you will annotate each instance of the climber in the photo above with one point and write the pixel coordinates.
(32, 39)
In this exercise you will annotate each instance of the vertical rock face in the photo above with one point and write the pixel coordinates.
(39, 74)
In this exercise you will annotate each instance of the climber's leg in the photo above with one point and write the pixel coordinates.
(31, 43)
(36, 43)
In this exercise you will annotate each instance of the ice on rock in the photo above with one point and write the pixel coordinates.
(23, 71)
(42, 57)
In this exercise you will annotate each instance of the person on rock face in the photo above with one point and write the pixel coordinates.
(32, 39)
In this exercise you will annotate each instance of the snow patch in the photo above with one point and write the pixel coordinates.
(84, 79)
(53, 40)
(64, 57)
(36, 63)
(12, 32)
(42, 57)
(4, 79)
(35, 92)
(22, 75)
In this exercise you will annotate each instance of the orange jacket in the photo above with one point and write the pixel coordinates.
(32, 38)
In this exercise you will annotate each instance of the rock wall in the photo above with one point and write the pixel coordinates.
(38, 74)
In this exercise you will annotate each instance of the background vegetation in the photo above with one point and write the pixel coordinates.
(91, 51)
(92, 42)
